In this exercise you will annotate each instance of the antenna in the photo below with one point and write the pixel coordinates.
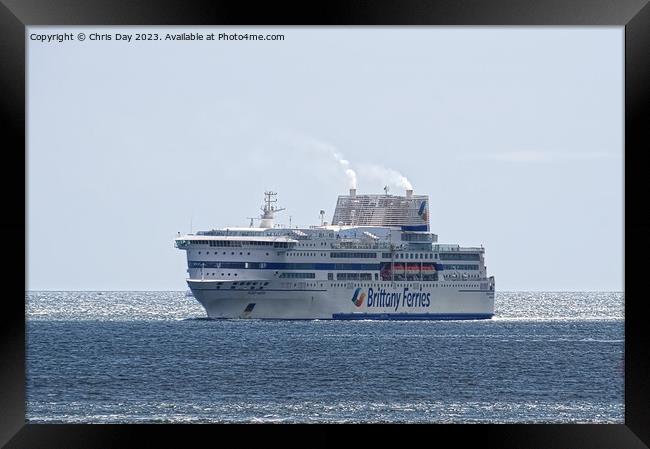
(386, 189)
(289, 221)
(269, 209)
(322, 217)
(269, 202)
(251, 219)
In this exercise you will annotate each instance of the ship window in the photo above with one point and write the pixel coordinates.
(299, 275)
(456, 256)
(353, 255)
(199, 252)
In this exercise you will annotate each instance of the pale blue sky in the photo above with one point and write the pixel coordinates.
(516, 134)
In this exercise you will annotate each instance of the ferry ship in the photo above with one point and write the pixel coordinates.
(376, 260)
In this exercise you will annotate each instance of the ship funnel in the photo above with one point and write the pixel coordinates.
(409, 193)
(353, 192)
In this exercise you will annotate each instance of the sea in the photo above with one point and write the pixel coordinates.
(154, 357)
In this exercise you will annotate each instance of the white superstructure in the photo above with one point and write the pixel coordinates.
(377, 260)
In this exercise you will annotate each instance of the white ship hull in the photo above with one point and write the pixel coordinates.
(334, 300)
(378, 262)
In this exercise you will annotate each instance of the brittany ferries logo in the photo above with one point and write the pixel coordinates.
(422, 212)
(358, 297)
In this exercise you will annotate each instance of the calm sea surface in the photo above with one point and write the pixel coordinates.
(117, 357)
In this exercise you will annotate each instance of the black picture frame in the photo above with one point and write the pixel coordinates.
(634, 15)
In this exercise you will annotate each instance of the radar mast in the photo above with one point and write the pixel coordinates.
(269, 209)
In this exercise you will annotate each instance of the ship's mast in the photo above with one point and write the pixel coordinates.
(269, 209)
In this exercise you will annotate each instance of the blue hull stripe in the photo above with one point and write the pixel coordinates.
(284, 266)
(412, 316)
(239, 290)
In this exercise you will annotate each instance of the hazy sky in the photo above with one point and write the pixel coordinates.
(516, 134)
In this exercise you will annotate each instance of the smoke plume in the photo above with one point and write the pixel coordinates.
(309, 143)
(386, 175)
(349, 173)
(377, 172)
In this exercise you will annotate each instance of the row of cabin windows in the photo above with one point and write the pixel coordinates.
(298, 275)
(416, 237)
(369, 255)
(282, 265)
(313, 244)
(232, 253)
(353, 255)
(410, 256)
(457, 256)
(220, 264)
(239, 243)
(353, 276)
(254, 283)
(303, 254)
(250, 283)
(298, 285)
(339, 277)
(414, 256)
